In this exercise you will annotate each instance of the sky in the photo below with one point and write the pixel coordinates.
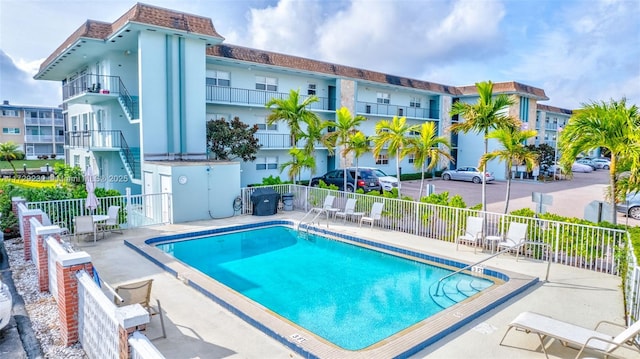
(577, 51)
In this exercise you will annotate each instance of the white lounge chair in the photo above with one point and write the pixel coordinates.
(472, 233)
(515, 238)
(349, 209)
(581, 337)
(375, 215)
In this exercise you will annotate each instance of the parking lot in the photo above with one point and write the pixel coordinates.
(569, 197)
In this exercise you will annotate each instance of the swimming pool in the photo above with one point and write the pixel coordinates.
(239, 263)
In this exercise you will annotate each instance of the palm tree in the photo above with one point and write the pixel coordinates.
(514, 151)
(343, 128)
(488, 113)
(358, 143)
(313, 133)
(425, 148)
(613, 126)
(392, 134)
(291, 111)
(9, 151)
(299, 161)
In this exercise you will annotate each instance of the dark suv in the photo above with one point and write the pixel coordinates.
(367, 179)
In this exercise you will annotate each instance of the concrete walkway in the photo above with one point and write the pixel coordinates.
(199, 328)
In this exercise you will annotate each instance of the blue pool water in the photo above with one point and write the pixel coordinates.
(351, 296)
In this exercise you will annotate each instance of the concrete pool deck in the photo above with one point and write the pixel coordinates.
(197, 327)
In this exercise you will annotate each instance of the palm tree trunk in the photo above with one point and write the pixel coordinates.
(483, 170)
(398, 170)
(506, 200)
(421, 181)
(614, 183)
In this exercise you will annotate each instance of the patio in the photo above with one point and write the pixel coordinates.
(198, 327)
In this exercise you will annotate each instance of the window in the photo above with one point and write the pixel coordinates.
(263, 126)
(415, 102)
(219, 78)
(266, 163)
(382, 159)
(383, 97)
(311, 90)
(87, 162)
(11, 130)
(266, 83)
(412, 158)
(76, 160)
(10, 113)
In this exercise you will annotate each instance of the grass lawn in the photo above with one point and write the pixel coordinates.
(31, 164)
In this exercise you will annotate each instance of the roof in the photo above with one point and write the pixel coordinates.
(142, 14)
(511, 87)
(301, 63)
(554, 109)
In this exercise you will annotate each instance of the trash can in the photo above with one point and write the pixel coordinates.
(287, 200)
(265, 201)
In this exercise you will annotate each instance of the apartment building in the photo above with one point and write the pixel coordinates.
(139, 91)
(38, 131)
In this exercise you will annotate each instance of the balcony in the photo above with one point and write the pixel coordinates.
(238, 96)
(43, 139)
(92, 89)
(279, 141)
(383, 109)
(34, 121)
(111, 139)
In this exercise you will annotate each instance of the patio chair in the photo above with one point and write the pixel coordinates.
(327, 207)
(472, 233)
(46, 221)
(138, 293)
(375, 215)
(515, 238)
(349, 209)
(580, 337)
(84, 225)
(111, 224)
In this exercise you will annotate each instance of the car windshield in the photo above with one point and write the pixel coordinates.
(366, 174)
(379, 173)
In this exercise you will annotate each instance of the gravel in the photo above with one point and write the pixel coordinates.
(41, 307)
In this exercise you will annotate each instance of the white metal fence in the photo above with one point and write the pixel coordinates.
(594, 248)
(135, 210)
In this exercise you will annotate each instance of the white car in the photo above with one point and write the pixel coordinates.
(6, 302)
(602, 163)
(579, 167)
(387, 182)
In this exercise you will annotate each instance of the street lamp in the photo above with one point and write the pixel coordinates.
(24, 167)
(47, 167)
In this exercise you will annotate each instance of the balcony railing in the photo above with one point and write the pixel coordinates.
(382, 109)
(101, 85)
(233, 95)
(95, 139)
(280, 141)
(43, 139)
(34, 121)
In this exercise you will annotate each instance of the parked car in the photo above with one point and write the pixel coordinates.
(367, 179)
(588, 162)
(387, 182)
(579, 167)
(6, 303)
(467, 174)
(603, 163)
(631, 205)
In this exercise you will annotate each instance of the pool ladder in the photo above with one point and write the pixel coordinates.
(318, 212)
